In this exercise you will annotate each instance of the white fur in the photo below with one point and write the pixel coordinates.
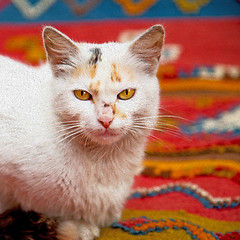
(83, 180)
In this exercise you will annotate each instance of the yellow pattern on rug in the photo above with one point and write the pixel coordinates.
(191, 168)
(208, 224)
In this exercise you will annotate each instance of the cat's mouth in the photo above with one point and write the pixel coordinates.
(108, 133)
(107, 136)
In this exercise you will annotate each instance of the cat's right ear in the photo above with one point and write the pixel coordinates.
(61, 51)
(147, 48)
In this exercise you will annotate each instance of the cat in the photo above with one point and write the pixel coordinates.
(73, 131)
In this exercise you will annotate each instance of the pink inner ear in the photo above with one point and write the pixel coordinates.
(147, 48)
(60, 50)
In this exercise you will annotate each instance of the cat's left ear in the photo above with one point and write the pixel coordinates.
(147, 48)
(61, 51)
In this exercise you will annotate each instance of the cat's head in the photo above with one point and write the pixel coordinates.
(104, 92)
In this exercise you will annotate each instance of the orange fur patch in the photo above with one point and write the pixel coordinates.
(66, 231)
(89, 70)
(94, 86)
(115, 77)
(117, 113)
(92, 71)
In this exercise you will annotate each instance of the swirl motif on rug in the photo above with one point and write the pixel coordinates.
(82, 8)
(191, 6)
(30, 10)
(190, 189)
(143, 225)
(136, 8)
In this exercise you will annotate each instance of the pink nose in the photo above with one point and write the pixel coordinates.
(105, 124)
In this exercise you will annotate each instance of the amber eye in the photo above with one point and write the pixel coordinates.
(126, 94)
(82, 95)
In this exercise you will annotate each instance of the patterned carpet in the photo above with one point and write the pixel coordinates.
(189, 187)
(182, 200)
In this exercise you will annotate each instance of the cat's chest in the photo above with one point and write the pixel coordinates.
(93, 191)
(94, 179)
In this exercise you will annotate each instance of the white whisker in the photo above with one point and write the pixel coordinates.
(161, 116)
(77, 134)
(69, 135)
(175, 131)
(167, 125)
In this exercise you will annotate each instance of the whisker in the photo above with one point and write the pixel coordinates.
(78, 134)
(65, 122)
(147, 117)
(64, 130)
(166, 130)
(171, 127)
(146, 128)
(87, 133)
(154, 138)
(173, 133)
(68, 128)
(161, 142)
(68, 135)
(162, 116)
(167, 125)
(158, 116)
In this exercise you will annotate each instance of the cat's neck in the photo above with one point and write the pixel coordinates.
(126, 152)
(127, 145)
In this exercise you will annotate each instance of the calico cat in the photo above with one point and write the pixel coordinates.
(72, 132)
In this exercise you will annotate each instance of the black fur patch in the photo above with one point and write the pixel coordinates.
(96, 56)
(16, 224)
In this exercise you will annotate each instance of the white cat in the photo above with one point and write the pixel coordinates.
(72, 132)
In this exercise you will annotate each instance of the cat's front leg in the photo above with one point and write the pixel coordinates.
(77, 230)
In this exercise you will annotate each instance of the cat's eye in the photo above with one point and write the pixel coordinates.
(126, 94)
(82, 95)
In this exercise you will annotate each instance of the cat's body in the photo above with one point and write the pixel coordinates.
(74, 156)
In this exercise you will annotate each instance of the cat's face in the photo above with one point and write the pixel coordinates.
(105, 91)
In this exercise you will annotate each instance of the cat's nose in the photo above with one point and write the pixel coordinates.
(106, 117)
(105, 123)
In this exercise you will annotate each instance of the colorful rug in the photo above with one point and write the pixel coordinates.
(189, 187)
(182, 200)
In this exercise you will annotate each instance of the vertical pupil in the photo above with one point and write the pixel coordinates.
(126, 91)
(82, 92)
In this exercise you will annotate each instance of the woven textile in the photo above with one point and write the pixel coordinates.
(75, 10)
(195, 200)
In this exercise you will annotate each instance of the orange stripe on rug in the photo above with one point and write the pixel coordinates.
(174, 225)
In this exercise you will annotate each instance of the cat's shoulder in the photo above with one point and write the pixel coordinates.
(12, 66)
(5, 60)
(8, 64)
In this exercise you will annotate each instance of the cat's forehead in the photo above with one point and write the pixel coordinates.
(104, 64)
(105, 52)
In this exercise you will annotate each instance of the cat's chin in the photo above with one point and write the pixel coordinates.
(106, 137)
